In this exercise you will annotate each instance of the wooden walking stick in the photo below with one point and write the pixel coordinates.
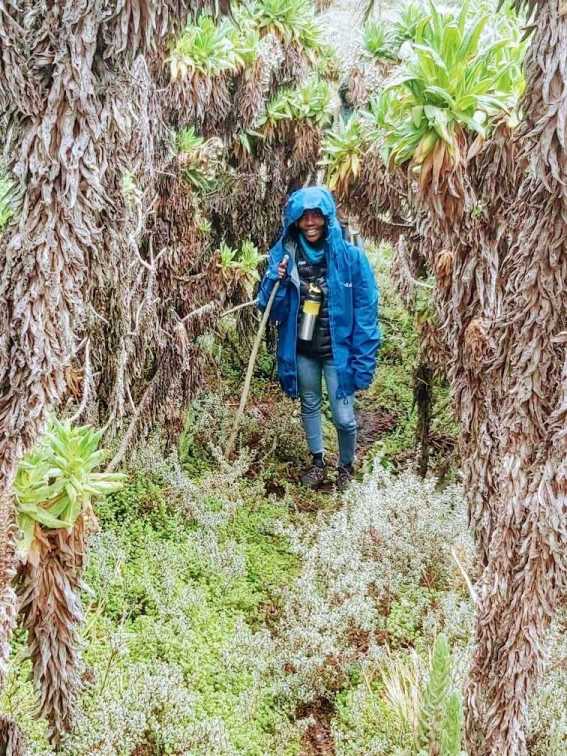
(251, 362)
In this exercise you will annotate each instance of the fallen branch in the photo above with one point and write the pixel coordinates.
(238, 307)
(203, 310)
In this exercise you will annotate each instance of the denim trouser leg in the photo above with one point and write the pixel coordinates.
(309, 373)
(343, 415)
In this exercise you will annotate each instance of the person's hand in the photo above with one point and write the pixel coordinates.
(282, 268)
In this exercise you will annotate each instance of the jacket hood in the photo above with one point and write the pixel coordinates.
(310, 198)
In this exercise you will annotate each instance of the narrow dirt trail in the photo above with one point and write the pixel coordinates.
(342, 27)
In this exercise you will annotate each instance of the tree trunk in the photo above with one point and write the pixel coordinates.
(49, 587)
(77, 263)
(57, 65)
(423, 398)
(12, 742)
(527, 559)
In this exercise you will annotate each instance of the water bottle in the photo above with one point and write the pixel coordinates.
(310, 313)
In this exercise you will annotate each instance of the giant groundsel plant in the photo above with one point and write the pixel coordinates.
(55, 484)
(473, 159)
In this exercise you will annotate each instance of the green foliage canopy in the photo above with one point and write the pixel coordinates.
(292, 21)
(456, 73)
(210, 49)
(452, 76)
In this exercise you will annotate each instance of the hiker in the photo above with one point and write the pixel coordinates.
(320, 271)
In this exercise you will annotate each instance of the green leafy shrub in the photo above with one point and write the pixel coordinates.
(342, 153)
(328, 64)
(310, 101)
(379, 41)
(290, 20)
(404, 706)
(205, 48)
(56, 480)
(245, 259)
(457, 73)
(200, 159)
(451, 77)
(405, 27)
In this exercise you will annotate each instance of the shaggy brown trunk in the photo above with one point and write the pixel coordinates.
(493, 225)
(48, 589)
(423, 398)
(464, 240)
(8, 608)
(12, 742)
(466, 251)
(57, 64)
(466, 268)
(42, 255)
(525, 574)
(89, 288)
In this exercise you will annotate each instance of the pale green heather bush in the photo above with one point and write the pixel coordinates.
(146, 703)
(178, 577)
(392, 539)
(213, 610)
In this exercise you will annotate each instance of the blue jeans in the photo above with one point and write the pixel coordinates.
(309, 374)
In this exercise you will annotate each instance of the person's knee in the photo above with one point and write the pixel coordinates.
(345, 422)
(310, 404)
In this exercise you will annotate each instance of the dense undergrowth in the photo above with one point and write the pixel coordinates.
(226, 608)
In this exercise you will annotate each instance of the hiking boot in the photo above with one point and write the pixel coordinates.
(344, 476)
(314, 476)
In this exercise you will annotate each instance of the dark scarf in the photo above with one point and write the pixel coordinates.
(313, 253)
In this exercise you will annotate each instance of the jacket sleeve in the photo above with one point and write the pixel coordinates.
(280, 306)
(366, 337)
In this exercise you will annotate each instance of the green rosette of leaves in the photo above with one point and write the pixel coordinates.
(56, 481)
(461, 70)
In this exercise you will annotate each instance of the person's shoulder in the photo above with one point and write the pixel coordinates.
(355, 252)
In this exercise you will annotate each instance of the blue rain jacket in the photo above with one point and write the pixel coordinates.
(353, 298)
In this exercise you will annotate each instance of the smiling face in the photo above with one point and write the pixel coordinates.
(312, 225)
